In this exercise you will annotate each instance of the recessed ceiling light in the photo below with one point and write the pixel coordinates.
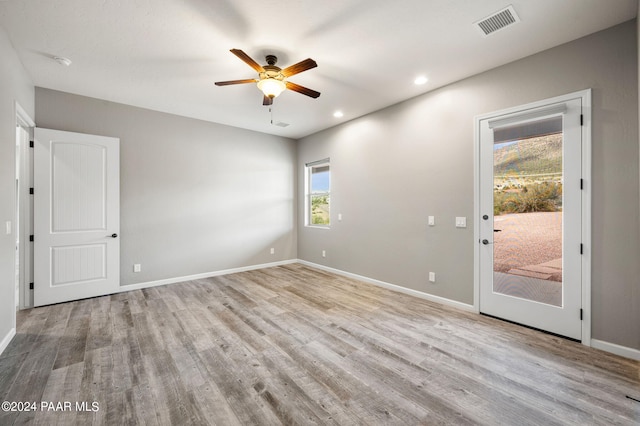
(62, 60)
(338, 114)
(420, 80)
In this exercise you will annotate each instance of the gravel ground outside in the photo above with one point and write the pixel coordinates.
(527, 239)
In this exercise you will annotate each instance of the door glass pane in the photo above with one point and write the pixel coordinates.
(527, 200)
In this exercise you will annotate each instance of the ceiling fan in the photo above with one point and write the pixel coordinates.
(272, 79)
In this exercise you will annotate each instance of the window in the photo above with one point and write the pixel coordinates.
(318, 197)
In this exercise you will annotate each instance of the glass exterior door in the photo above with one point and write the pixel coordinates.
(530, 217)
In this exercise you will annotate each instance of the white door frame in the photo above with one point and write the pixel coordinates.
(25, 208)
(585, 95)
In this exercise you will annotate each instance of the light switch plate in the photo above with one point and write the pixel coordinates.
(461, 222)
(432, 221)
(7, 225)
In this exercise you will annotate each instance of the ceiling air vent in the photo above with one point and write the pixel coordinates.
(498, 21)
(280, 123)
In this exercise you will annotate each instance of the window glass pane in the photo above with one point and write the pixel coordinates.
(320, 179)
(320, 209)
(318, 195)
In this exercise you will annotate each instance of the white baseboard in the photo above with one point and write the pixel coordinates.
(148, 284)
(394, 287)
(7, 339)
(616, 349)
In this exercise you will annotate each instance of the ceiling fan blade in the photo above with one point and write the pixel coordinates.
(267, 100)
(227, 83)
(307, 64)
(302, 89)
(247, 59)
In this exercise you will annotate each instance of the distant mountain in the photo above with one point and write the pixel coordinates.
(529, 157)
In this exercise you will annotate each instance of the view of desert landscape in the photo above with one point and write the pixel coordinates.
(528, 214)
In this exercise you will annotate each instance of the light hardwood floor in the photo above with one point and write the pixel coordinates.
(295, 345)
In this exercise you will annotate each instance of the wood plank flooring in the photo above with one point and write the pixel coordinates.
(295, 345)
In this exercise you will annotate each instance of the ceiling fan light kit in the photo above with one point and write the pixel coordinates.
(272, 79)
(271, 87)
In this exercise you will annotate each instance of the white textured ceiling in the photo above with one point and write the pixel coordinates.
(166, 54)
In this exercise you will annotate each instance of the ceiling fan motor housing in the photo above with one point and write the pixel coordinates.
(271, 59)
(271, 70)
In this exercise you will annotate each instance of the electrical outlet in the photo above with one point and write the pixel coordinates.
(137, 267)
(432, 277)
(273, 250)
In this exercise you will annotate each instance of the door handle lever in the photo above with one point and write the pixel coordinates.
(114, 235)
(485, 242)
(497, 230)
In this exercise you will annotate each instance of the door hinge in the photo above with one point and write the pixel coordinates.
(580, 314)
(31, 191)
(30, 286)
(581, 248)
(30, 237)
(30, 144)
(581, 119)
(581, 183)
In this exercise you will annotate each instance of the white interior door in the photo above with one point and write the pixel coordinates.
(531, 217)
(76, 216)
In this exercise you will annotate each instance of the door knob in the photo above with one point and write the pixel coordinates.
(485, 217)
(485, 242)
(114, 235)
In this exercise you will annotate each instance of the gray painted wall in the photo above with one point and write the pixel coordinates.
(196, 197)
(393, 168)
(15, 85)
